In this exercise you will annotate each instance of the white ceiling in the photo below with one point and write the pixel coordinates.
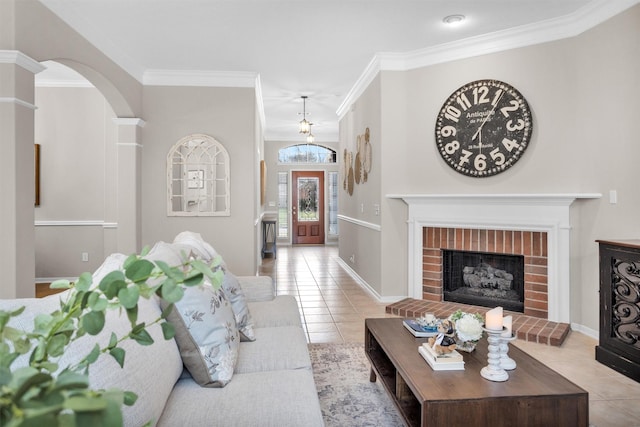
(318, 48)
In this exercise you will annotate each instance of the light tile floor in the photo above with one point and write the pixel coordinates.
(333, 307)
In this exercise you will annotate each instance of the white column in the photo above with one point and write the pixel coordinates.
(415, 269)
(17, 182)
(129, 157)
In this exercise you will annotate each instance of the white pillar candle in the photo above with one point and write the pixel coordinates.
(507, 322)
(493, 319)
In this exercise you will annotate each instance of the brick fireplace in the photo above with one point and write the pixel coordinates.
(531, 244)
(536, 225)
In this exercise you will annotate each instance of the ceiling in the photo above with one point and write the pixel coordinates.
(317, 48)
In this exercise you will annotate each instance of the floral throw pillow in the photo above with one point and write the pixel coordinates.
(235, 295)
(206, 334)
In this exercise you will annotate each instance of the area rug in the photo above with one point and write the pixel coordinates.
(347, 397)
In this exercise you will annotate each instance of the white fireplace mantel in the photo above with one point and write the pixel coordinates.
(528, 212)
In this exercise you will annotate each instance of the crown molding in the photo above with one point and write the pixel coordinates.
(200, 78)
(559, 28)
(22, 60)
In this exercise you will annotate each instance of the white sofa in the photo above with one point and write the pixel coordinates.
(272, 384)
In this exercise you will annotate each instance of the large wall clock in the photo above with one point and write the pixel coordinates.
(483, 128)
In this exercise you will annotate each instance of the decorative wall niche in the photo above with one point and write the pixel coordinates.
(198, 177)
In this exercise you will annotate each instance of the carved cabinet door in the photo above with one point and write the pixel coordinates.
(620, 307)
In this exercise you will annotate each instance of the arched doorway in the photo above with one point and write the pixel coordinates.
(79, 136)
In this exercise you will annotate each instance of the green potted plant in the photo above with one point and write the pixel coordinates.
(46, 394)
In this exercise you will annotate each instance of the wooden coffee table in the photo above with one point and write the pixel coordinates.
(534, 395)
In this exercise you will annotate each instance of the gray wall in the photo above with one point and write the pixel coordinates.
(71, 127)
(360, 238)
(76, 131)
(583, 93)
(228, 115)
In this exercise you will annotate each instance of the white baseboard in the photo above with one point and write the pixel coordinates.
(584, 330)
(53, 279)
(363, 283)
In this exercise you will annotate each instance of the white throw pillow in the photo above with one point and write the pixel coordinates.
(204, 250)
(166, 252)
(113, 262)
(206, 334)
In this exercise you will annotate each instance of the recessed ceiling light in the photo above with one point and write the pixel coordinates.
(453, 19)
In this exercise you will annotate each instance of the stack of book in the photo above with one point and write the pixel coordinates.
(418, 330)
(441, 362)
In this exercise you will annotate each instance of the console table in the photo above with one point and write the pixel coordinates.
(619, 346)
(269, 236)
(534, 395)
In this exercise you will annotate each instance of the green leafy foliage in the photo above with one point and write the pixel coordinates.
(42, 394)
(168, 330)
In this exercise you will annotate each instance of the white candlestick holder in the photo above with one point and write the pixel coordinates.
(494, 372)
(505, 361)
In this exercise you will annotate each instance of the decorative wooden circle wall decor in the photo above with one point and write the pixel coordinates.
(357, 172)
(345, 168)
(365, 155)
(358, 163)
(350, 177)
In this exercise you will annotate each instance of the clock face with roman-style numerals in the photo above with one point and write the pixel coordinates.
(483, 128)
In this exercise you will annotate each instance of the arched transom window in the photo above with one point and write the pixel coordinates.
(306, 153)
(198, 177)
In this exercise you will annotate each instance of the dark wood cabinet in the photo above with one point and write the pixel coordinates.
(619, 346)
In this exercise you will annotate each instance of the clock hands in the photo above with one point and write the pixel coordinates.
(487, 118)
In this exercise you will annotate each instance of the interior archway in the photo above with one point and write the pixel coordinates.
(74, 126)
(111, 93)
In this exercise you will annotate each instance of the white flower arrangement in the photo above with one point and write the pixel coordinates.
(468, 326)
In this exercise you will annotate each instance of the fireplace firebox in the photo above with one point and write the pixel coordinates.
(483, 278)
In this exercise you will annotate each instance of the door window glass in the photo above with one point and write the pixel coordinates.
(308, 199)
(283, 204)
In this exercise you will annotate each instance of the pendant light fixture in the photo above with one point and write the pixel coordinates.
(304, 126)
(310, 138)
